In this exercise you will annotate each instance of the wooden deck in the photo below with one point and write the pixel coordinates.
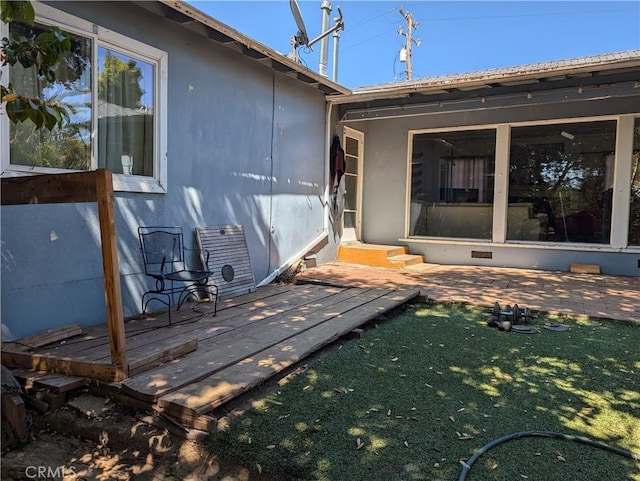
(202, 361)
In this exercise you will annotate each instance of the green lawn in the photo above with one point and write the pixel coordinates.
(428, 388)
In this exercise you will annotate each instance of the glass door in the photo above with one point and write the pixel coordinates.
(354, 154)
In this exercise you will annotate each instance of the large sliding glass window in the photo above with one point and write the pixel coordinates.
(634, 215)
(452, 178)
(561, 182)
(114, 90)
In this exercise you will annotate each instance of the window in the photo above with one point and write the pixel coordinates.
(452, 179)
(115, 91)
(634, 214)
(561, 182)
(68, 147)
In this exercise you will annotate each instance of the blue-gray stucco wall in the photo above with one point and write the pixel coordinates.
(245, 145)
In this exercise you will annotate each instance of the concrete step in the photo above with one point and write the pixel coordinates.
(377, 255)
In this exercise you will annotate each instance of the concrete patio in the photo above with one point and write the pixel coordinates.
(555, 292)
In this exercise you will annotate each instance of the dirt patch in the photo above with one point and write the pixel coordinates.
(93, 438)
(68, 445)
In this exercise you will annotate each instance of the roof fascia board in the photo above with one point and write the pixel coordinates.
(491, 80)
(517, 100)
(259, 51)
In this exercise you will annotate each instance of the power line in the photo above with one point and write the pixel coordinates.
(526, 15)
(441, 19)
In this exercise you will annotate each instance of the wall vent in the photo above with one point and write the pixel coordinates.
(482, 254)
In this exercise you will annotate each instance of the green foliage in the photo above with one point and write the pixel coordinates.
(20, 10)
(42, 51)
(119, 82)
(31, 146)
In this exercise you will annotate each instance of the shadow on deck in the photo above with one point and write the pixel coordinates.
(203, 361)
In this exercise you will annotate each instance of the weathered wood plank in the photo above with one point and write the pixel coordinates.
(204, 328)
(166, 354)
(43, 338)
(213, 391)
(578, 268)
(15, 413)
(99, 335)
(69, 367)
(55, 382)
(232, 345)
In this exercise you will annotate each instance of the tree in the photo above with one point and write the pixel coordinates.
(43, 50)
(119, 82)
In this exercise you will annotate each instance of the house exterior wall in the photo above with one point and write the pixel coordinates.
(385, 177)
(245, 145)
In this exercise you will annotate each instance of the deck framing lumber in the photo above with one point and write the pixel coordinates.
(89, 186)
(70, 367)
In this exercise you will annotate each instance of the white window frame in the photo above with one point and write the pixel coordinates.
(618, 241)
(102, 37)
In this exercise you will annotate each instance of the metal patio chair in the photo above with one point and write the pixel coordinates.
(163, 254)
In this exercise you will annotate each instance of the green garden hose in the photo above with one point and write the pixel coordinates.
(543, 434)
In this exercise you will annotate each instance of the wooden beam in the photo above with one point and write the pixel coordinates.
(579, 268)
(14, 411)
(89, 186)
(49, 189)
(113, 293)
(57, 383)
(69, 367)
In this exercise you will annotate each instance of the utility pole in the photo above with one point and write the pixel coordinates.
(411, 24)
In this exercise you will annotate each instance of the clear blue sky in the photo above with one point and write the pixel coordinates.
(456, 36)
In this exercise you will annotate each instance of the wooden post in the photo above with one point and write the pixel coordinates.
(113, 293)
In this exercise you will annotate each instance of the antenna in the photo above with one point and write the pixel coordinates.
(302, 39)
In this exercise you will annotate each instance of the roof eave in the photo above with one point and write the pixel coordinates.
(490, 80)
(184, 13)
